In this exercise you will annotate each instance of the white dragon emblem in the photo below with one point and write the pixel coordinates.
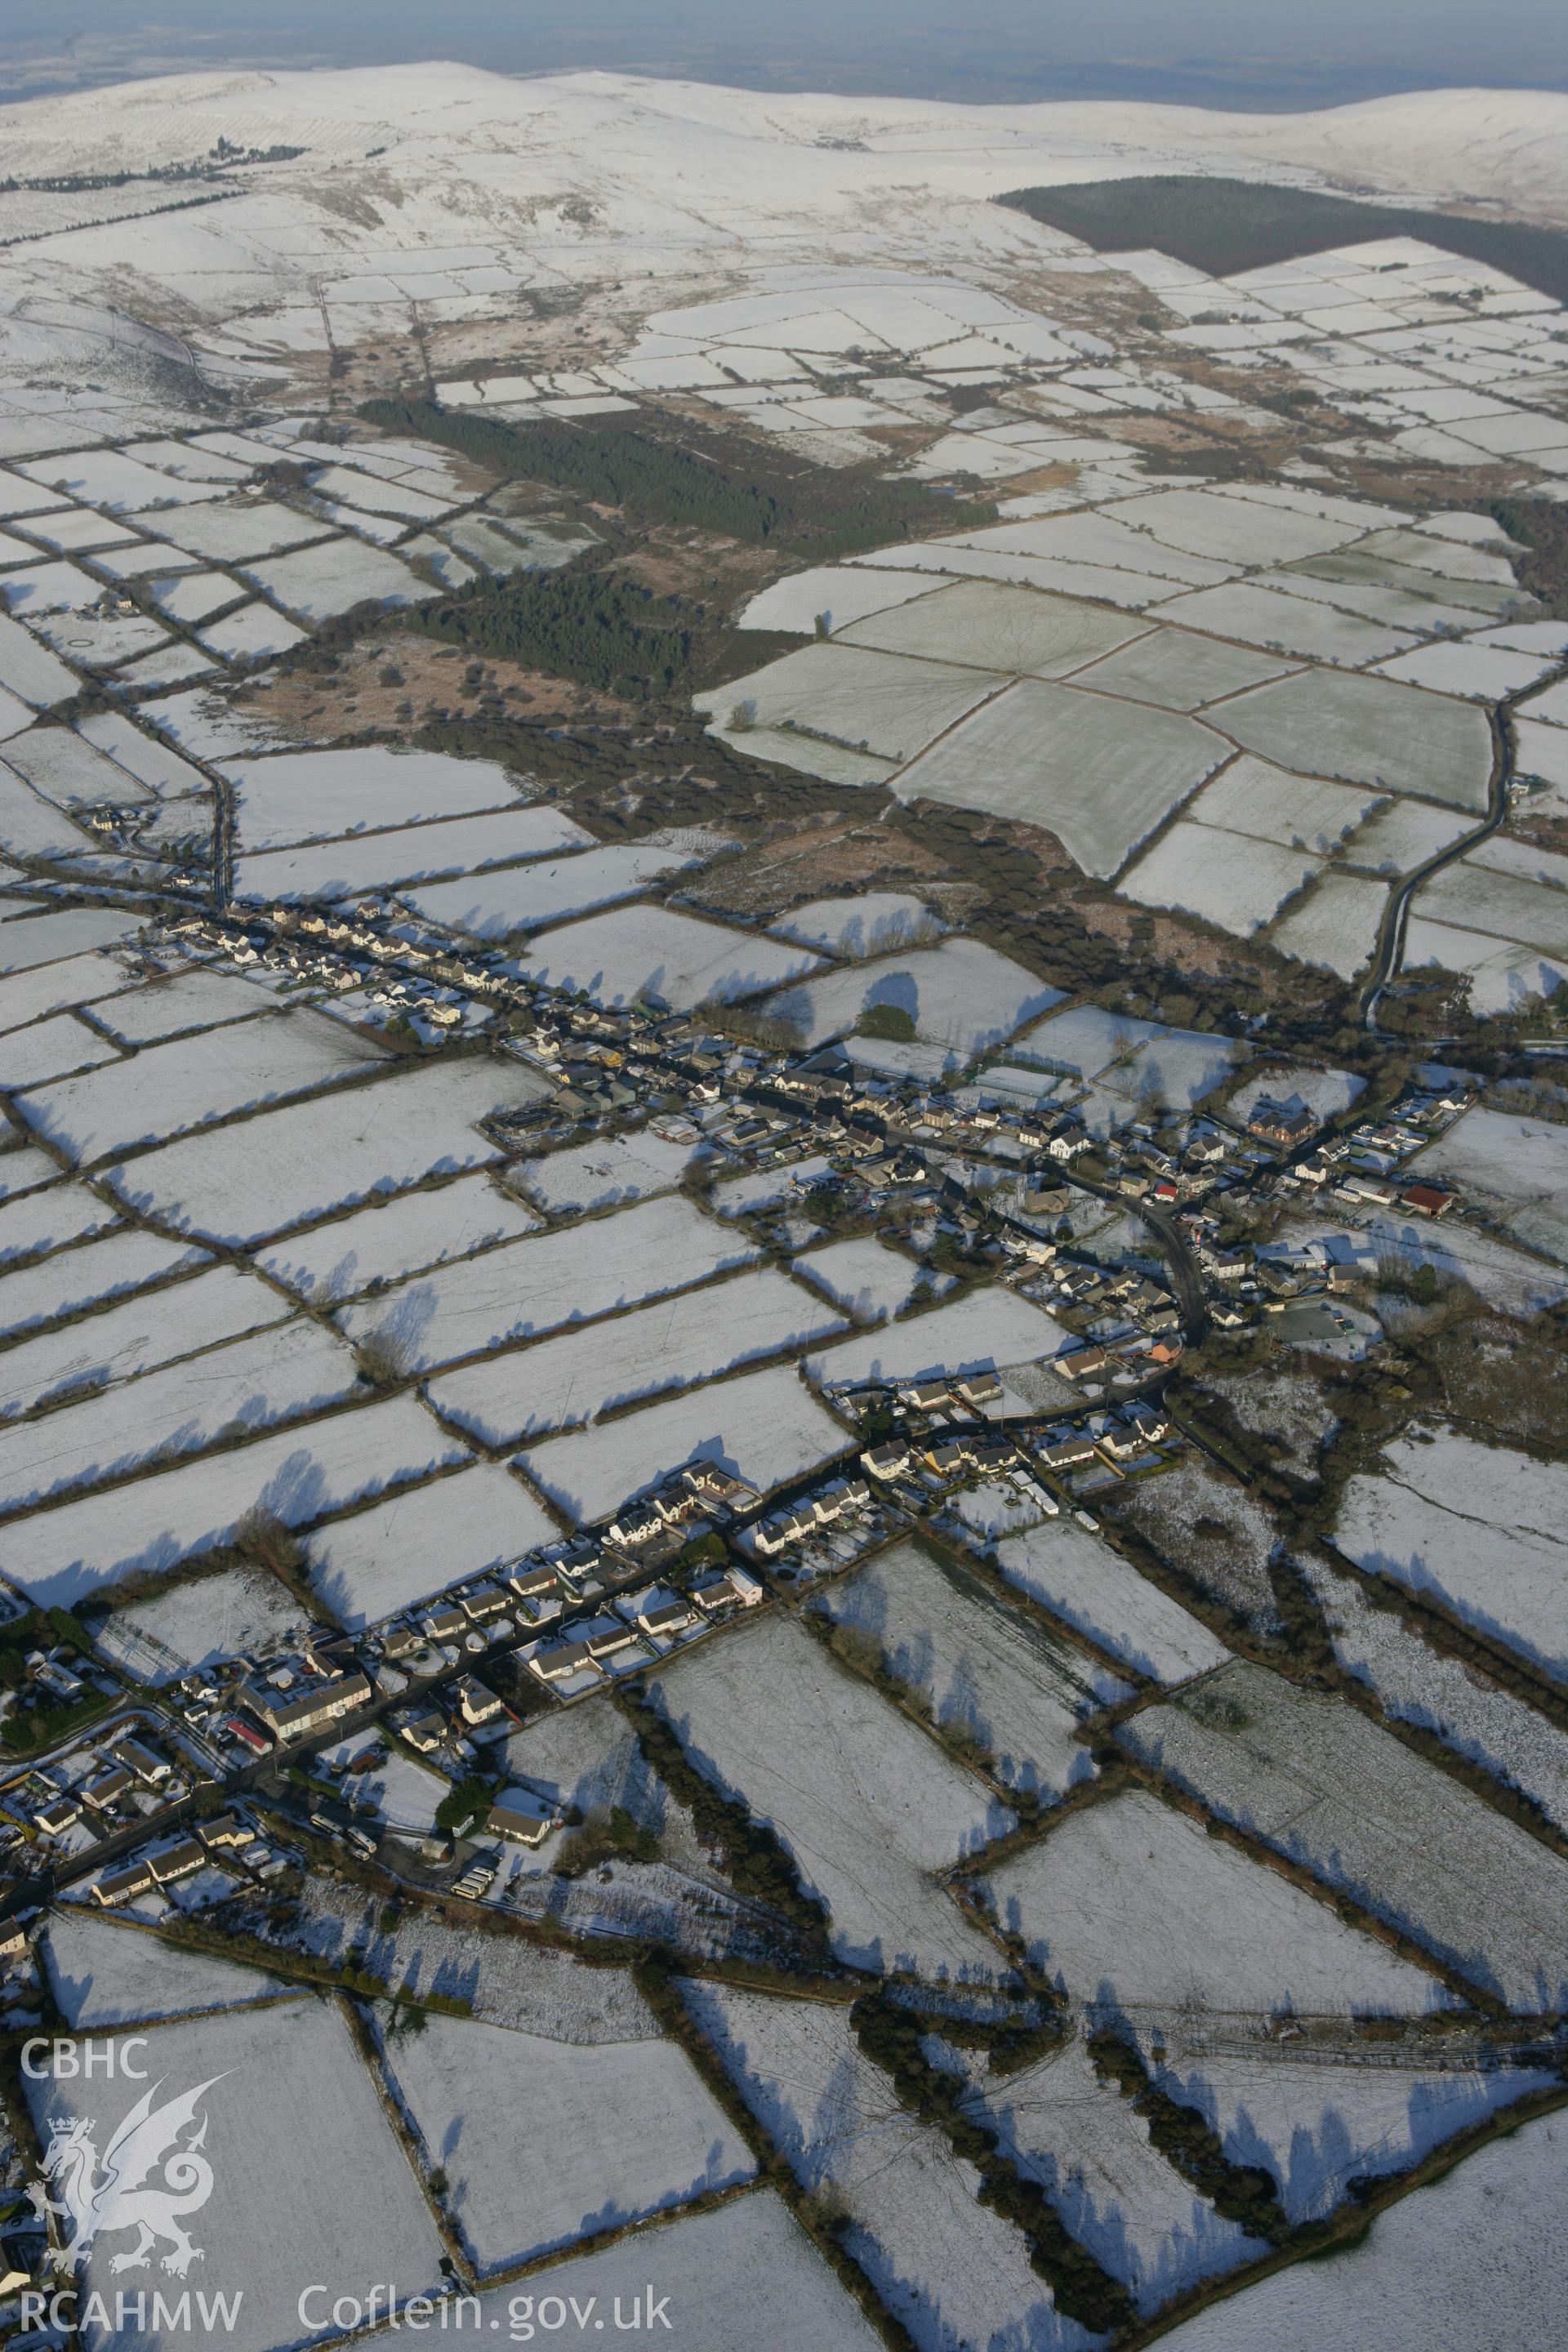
(121, 2193)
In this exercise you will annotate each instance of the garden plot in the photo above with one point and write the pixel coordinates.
(1474, 2258)
(55, 1048)
(1320, 2128)
(1132, 1908)
(869, 1282)
(380, 1245)
(853, 696)
(1518, 1167)
(962, 994)
(988, 626)
(28, 939)
(794, 604)
(103, 1974)
(1099, 774)
(869, 1808)
(238, 1611)
(1474, 1527)
(244, 1183)
(295, 796)
(75, 1278)
(873, 922)
(764, 1427)
(1228, 879)
(985, 1329)
(1212, 1530)
(198, 1081)
(181, 1000)
(746, 2254)
(1081, 1579)
(1366, 731)
(671, 958)
(1343, 1798)
(287, 2207)
(947, 2267)
(1080, 2139)
(369, 1567)
(1287, 624)
(492, 905)
(568, 1276)
(248, 1385)
(256, 633)
(1337, 925)
(571, 1380)
(419, 853)
(609, 1171)
(153, 1524)
(986, 1671)
(1179, 670)
(544, 2142)
(1416, 1684)
(1297, 812)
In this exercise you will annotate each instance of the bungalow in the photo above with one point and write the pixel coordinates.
(123, 1886)
(445, 1625)
(401, 1642)
(225, 1831)
(1427, 1200)
(426, 1733)
(532, 1583)
(149, 1768)
(557, 1662)
(520, 1816)
(930, 1396)
(108, 1788)
(310, 1709)
(890, 1461)
(169, 1863)
(1066, 1453)
(664, 1612)
(1081, 1363)
(484, 1602)
(715, 1592)
(57, 1815)
(981, 1388)
(949, 1459)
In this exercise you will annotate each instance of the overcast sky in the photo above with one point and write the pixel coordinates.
(1256, 53)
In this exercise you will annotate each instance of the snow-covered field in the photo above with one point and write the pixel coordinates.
(1517, 1166)
(1319, 2126)
(412, 853)
(288, 2207)
(65, 1554)
(1476, 1528)
(1416, 1684)
(521, 897)
(47, 1220)
(1131, 1905)
(136, 1337)
(546, 2142)
(1082, 1580)
(197, 1081)
(608, 1170)
(74, 1278)
(1474, 2259)
(962, 994)
(746, 2254)
(318, 582)
(380, 1244)
(1225, 878)
(574, 1378)
(872, 922)
(954, 2272)
(282, 1374)
(868, 1807)
(672, 958)
(765, 1427)
(1078, 2138)
(51, 1049)
(1344, 1798)
(183, 1000)
(870, 1282)
(294, 796)
(976, 1333)
(103, 1974)
(1365, 730)
(983, 1668)
(236, 1611)
(1507, 1278)
(368, 1567)
(241, 1184)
